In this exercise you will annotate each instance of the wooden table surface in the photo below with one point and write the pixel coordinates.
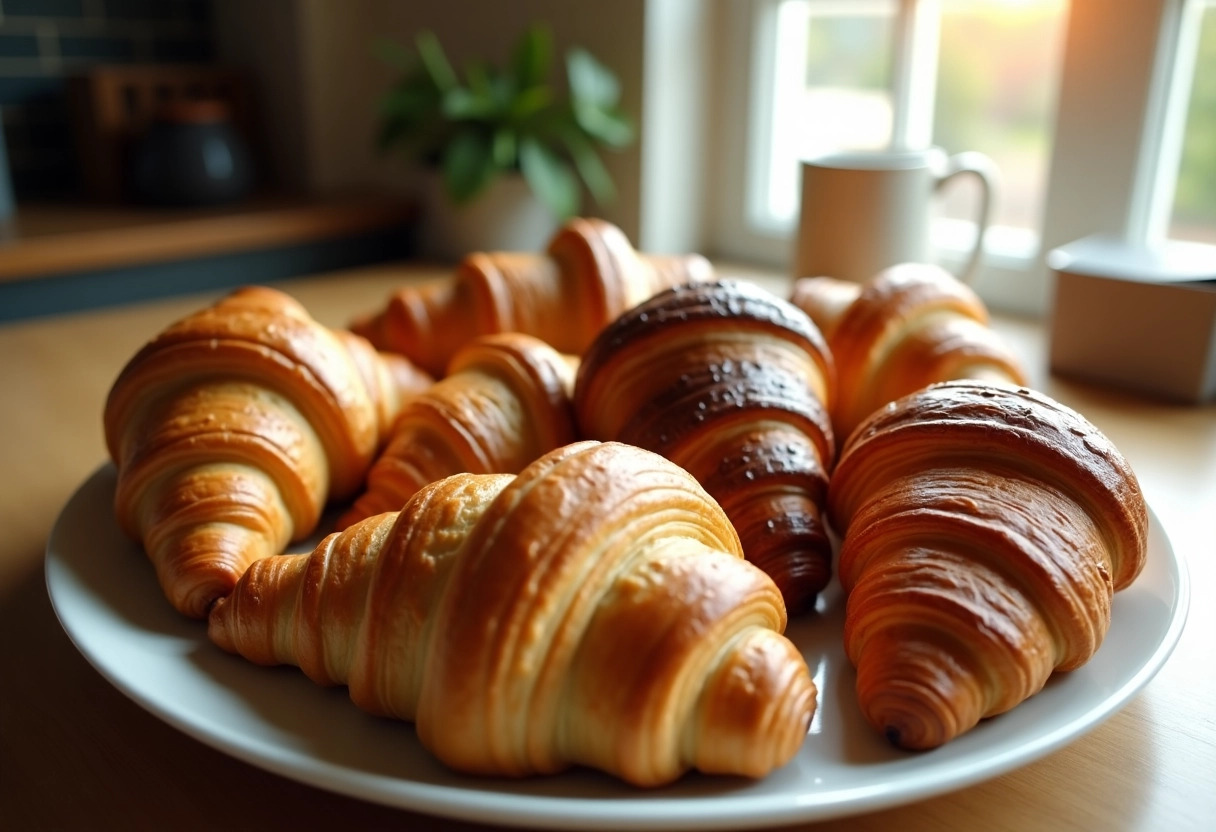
(75, 753)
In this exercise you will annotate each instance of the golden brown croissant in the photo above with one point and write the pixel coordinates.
(985, 530)
(733, 384)
(232, 428)
(594, 610)
(912, 325)
(504, 402)
(589, 274)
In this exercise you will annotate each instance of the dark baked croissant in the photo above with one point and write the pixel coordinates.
(593, 610)
(504, 402)
(733, 384)
(910, 326)
(232, 428)
(985, 531)
(589, 274)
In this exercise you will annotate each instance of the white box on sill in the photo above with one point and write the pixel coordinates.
(1136, 317)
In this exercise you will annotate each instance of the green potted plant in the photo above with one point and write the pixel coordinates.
(478, 127)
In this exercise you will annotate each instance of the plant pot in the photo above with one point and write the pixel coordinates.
(506, 216)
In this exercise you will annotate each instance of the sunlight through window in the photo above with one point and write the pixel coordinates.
(1194, 211)
(998, 70)
(832, 88)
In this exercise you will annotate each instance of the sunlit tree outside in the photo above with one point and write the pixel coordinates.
(996, 86)
(998, 73)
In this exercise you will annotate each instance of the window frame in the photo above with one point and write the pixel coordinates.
(1120, 114)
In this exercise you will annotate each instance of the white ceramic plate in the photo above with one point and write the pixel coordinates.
(106, 597)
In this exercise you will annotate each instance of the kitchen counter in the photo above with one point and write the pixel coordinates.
(61, 257)
(75, 753)
(44, 239)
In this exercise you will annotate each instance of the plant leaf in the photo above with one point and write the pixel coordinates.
(435, 60)
(594, 92)
(503, 92)
(590, 167)
(504, 149)
(483, 121)
(550, 178)
(462, 103)
(409, 116)
(591, 83)
(532, 58)
(468, 164)
(412, 99)
(478, 73)
(529, 102)
(610, 127)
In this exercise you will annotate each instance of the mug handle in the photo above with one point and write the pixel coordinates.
(986, 172)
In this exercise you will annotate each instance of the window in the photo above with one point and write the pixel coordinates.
(1194, 209)
(1100, 121)
(998, 66)
(831, 91)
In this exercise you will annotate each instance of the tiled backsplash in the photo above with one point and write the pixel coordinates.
(44, 42)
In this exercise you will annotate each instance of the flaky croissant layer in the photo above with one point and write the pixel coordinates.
(233, 427)
(593, 610)
(588, 274)
(911, 325)
(504, 402)
(985, 529)
(732, 384)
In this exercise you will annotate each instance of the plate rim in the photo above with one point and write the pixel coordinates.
(733, 811)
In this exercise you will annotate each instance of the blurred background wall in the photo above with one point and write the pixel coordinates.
(45, 42)
(319, 82)
(316, 81)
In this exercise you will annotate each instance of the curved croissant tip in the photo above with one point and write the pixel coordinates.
(910, 733)
(364, 325)
(217, 625)
(196, 599)
(918, 695)
(910, 722)
(757, 709)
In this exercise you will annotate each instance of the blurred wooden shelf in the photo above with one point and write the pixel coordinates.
(47, 239)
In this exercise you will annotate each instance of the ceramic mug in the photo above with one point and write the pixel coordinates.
(864, 211)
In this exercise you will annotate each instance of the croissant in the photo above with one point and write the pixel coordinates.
(732, 384)
(232, 428)
(910, 326)
(594, 610)
(504, 402)
(588, 275)
(985, 529)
